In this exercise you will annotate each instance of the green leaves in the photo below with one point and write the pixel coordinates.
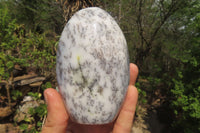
(16, 94)
(37, 112)
(35, 95)
(46, 85)
(9, 65)
(40, 111)
(186, 105)
(39, 15)
(33, 49)
(23, 126)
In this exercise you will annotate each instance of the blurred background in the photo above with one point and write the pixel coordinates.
(163, 38)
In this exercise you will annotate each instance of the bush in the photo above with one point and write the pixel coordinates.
(25, 48)
(29, 50)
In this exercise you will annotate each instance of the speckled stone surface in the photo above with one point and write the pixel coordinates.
(92, 67)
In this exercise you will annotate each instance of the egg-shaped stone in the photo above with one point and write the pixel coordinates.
(92, 67)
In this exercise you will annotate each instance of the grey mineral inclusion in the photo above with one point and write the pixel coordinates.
(92, 67)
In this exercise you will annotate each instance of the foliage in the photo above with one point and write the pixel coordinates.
(16, 94)
(186, 107)
(29, 50)
(24, 48)
(38, 15)
(46, 85)
(163, 40)
(33, 122)
(7, 39)
(72, 6)
(142, 93)
(35, 95)
(186, 89)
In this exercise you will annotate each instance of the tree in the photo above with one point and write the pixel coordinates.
(162, 45)
(38, 15)
(71, 6)
(22, 47)
(186, 84)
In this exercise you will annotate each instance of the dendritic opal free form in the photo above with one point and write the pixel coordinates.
(92, 67)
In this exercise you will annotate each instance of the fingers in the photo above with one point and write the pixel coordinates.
(133, 73)
(57, 118)
(125, 119)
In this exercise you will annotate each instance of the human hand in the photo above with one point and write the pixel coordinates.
(58, 119)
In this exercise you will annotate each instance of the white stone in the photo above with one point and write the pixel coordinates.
(92, 67)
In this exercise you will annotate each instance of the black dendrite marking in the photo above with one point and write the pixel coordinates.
(85, 83)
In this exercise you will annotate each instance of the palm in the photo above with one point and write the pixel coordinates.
(78, 128)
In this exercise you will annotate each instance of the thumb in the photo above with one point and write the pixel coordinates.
(57, 118)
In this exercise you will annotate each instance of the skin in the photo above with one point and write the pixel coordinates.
(58, 120)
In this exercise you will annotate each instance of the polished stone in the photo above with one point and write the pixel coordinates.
(92, 67)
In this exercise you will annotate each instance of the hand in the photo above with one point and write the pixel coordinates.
(58, 119)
